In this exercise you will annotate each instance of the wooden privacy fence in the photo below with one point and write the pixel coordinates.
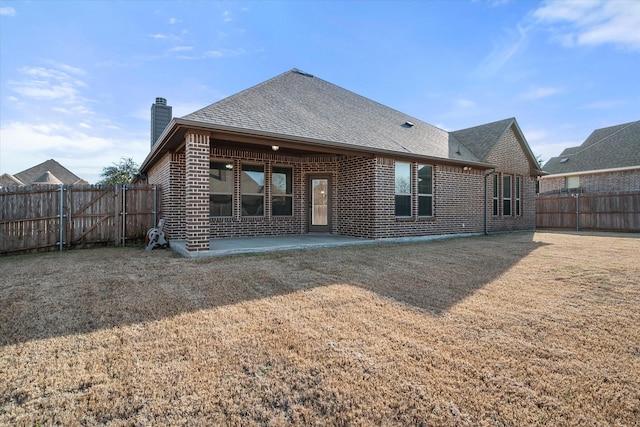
(604, 212)
(66, 216)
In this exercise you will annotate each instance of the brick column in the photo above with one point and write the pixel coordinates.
(197, 191)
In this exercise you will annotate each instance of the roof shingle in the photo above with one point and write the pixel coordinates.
(606, 148)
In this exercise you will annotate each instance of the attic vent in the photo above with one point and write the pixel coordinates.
(565, 160)
(302, 73)
(408, 124)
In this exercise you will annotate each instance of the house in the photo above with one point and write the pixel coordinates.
(608, 161)
(46, 173)
(297, 154)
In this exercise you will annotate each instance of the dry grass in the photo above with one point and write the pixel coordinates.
(516, 329)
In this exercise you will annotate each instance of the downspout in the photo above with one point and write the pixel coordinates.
(486, 204)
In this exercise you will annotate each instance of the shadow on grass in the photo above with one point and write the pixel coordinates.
(58, 294)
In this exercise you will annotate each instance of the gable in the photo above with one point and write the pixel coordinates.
(64, 175)
(613, 147)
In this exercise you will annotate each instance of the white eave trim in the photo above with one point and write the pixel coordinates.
(557, 175)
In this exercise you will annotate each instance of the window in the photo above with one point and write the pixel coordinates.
(281, 191)
(506, 195)
(221, 188)
(495, 195)
(252, 190)
(425, 190)
(573, 181)
(518, 196)
(403, 189)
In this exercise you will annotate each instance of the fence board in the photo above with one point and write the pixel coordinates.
(605, 212)
(91, 215)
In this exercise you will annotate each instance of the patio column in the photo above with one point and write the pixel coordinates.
(197, 191)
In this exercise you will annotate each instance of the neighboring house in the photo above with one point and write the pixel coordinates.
(46, 173)
(297, 154)
(608, 161)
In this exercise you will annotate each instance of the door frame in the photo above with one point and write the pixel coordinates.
(319, 228)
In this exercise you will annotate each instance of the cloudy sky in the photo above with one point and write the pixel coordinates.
(77, 78)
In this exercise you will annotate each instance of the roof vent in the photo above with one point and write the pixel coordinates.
(565, 160)
(408, 125)
(302, 73)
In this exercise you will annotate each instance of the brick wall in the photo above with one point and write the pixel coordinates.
(363, 199)
(597, 183)
(197, 191)
(169, 174)
(511, 160)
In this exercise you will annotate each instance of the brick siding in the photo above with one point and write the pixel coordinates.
(363, 194)
(596, 183)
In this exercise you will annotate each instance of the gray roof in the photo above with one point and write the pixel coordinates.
(47, 179)
(606, 148)
(481, 139)
(300, 105)
(64, 175)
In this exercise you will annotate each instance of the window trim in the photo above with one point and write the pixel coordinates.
(426, 195)
(232, 193)
(263, 194)
(507, 197)
(496, 196)
(289, 195)
(409, 194)
(518, 195)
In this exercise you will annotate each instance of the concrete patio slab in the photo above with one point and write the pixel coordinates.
(247, 245)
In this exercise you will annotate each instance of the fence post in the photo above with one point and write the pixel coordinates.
(577, 196)
(61, 243)
(155, 205)
(124, 214)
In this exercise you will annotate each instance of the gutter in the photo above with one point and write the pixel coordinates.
(589, 172)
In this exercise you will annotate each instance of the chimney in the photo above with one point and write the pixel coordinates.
(160, 118)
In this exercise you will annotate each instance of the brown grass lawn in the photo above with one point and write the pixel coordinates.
(513, 329)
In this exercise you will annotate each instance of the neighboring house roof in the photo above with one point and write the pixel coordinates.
(301, 107)
(62, 174)
(47, 179)
(7, 180)
(612, 147)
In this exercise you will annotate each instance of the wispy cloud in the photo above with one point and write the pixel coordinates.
(592, 23)
(42, 83)
(158, 36)
(513, 43)
(223, 53)
(541, 92)
(226, 16)
(602, 105)
(7, 11)
(181, 49)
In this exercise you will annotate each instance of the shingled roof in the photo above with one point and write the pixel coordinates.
(300, 105)
(606, 148)
(64, 175)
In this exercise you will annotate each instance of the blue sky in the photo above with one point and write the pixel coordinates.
(77, 79)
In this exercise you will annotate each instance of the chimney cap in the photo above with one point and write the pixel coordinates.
(161, 101)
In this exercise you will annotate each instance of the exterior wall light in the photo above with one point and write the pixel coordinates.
(275, 147)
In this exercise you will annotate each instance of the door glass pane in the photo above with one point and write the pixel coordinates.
(319, 202)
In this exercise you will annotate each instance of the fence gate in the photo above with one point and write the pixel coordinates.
(71, 216)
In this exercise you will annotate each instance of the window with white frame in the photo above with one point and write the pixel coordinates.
(496, 204)
(425, 190)
(573, 182)
(506, 195)
(221, 189)
(281, 191)
(252, 190)
(518, 200)
(403, 189)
